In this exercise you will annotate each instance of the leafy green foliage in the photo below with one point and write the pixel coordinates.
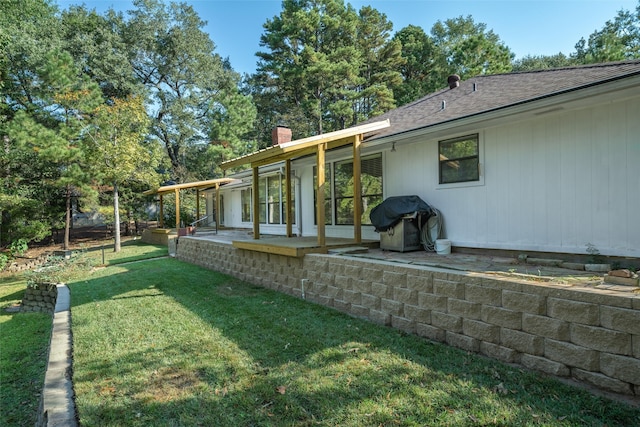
(18, 247)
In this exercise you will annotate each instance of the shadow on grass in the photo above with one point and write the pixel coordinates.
(233, 354)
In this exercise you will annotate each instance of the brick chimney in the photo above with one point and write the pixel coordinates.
(280, 135)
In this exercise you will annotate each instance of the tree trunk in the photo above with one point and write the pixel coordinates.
(67, 220)
(116, 219)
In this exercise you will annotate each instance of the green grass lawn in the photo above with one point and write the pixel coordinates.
(24, 345)
(24, 337)
(165, 343)
(132, 250)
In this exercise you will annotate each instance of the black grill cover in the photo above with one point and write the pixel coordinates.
(391, 210)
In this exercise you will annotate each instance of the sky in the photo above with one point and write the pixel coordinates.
(527, 27)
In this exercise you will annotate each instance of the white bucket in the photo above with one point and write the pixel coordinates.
(443, 246)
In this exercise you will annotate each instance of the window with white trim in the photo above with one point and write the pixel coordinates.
(459, 159)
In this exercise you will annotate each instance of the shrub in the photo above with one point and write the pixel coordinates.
(3, 261)
(18, 247)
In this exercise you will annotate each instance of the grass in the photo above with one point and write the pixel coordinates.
(132, 250)
(24, 337)
(166, 343)
(24, 344)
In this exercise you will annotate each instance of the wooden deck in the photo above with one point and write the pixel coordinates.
(299, 246)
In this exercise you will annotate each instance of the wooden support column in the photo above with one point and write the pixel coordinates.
(161, 218)
(197, 204)
(256, 203)
(288, 198)
(320, 191)
(217, 206)
(357, 190)
(177, 193)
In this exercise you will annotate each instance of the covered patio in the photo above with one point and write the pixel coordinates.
(287, 152)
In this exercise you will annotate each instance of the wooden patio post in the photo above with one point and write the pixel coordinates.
(288, 199)
(177, 193)
(217, 206)
(197, 204)
(256, 204)
(161, 218)
(357, 190)
(320, 190)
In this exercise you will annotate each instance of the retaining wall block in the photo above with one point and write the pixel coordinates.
(602, 381)
(483, 295)
(498, 352)
(430, 332)
(462, 341)
(395, 308)
(601, 339)
(342, 305)
(352, 297)
(446, 321)
(406, 296)
(418, 314)
(448, 288)
(481, 330)
(572, 355)
(501, 317)
(620, 367)
(380, 317)
(360, 311)
(547, 366)
(522, 341)
(394, 279)
(361, 285)
(469, 310)
(432, 302)
(343, 282)
(545, 327)
(371, 301)
(381, 290)
(372, 274)
(620, 319)
(573, 311)
(523, 302)
(422, 282)
(403, 324)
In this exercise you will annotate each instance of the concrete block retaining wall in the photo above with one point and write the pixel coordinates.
(587, 334)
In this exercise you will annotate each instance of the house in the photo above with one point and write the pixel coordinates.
(541, 161)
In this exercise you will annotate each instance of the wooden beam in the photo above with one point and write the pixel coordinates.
(197, 204)
(217, 206)
(256, 203)
(301, 147)
(288, 198)
(161, 219)
(357, 190)
(177, 193)
(320, 192)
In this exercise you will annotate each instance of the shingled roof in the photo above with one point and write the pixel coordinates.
(483, 94)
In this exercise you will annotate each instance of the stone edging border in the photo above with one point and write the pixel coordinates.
(57, 405)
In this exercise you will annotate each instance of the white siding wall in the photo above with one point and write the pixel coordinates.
(553, 183)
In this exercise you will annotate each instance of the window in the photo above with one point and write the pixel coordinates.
(459, 159)
(245, 196)
(271, 200)
(342, 185)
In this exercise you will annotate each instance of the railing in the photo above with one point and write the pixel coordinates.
(193, 224)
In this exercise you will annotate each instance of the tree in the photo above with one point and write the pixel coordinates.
(325, 67)
(175, 61)
(117, 149)
(54, 123)
(542, 62)
(618, 40)
(379, 70)
(418, 51)
(468, 49)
